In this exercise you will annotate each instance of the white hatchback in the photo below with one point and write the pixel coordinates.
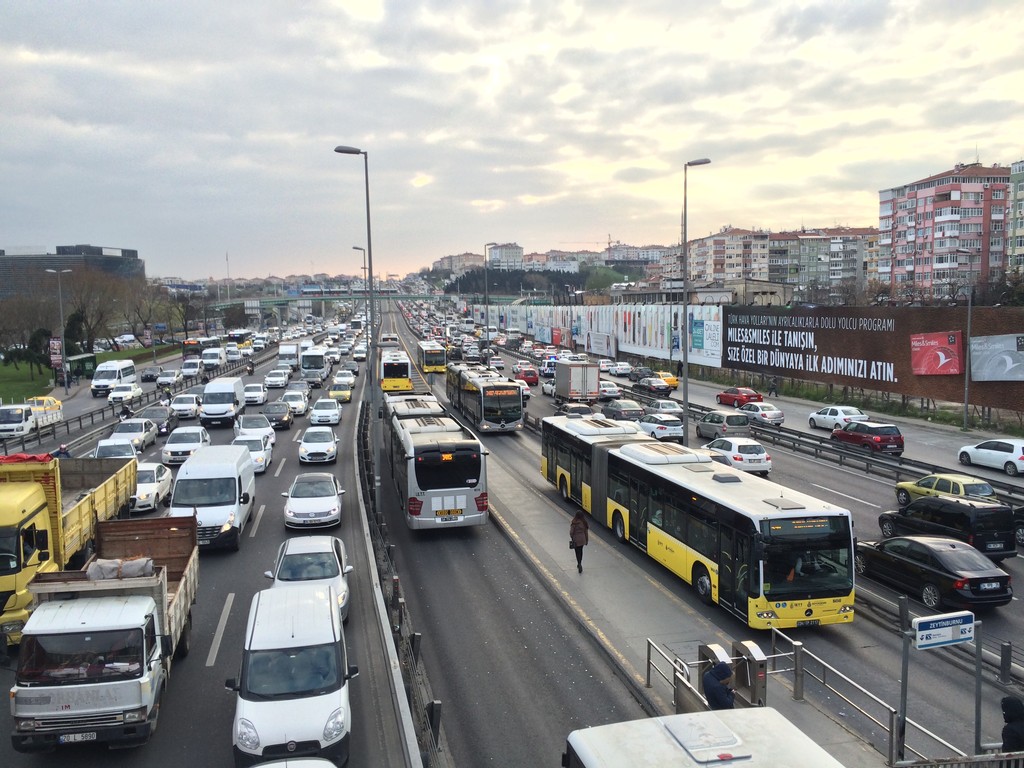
(255, 394)
(326, 410)
(261, 451)
(186, 406)
(743, 453)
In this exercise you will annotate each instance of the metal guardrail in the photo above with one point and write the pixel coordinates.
(67, 429)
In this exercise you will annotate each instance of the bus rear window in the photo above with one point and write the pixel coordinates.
(436, 470)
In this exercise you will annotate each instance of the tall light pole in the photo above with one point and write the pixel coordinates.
(684, 339)
(366, 287)
(63, 344)
(487, 292)
(372, 356)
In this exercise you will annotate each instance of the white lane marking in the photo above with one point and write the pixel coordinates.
(852, 498)
(219, 634)
(280, 467)
(256, 525)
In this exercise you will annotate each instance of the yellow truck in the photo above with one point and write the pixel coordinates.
(49, 509)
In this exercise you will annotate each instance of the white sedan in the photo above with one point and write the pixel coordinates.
(182, 443)
(255, 425)
(345, 377)
(314, 499)
(124, 393)
(141, 433)
(835, 417)
(764, 413)
(152, 486)
(275, 379)
(608, 390)
(548, 387)
(255, 394)
(620, 369)
(605, 365)
(296, 401)
(743, 453)
(170, 378)
(304, 560)
(261, 451)
(186, 406)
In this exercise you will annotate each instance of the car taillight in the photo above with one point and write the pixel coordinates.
(737, 457)
(970, 539)
(877, 439)
(960, 584)
(481, 502)
(659, 428)
(415, 506)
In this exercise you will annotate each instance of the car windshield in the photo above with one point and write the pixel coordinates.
(177, 437)
(291, 672)
(184, 400)
(994, 520)
(218, 398)
(204, 492)
(276, 409)
(326, 406)
(308, 565)
(127, 428)
(155, 412)
(316, 436)
(253, 444)
(312, 489)
(253, 422)
(115, 451)
(253, 388)
(146, 476)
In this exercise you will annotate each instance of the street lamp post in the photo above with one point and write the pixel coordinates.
(372, 356)
(63, 343)
(366, 286)
(684, 339)
(967, 359)
(487, 292)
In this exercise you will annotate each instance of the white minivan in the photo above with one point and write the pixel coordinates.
(111, 373)
(223, 401)
(293, 693)
(213, 358)
(217, 483)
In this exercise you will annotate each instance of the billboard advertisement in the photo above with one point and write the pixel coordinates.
(997, 358)
(936, 354)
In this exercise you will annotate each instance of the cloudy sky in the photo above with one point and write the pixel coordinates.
(189, 130)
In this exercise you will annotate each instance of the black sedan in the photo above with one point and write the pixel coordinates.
(150, 373)
(165, 418)
(936, 570)
(654, 386)
(279, 414)
(641, 372)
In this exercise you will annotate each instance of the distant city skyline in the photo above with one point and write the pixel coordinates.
(556, 127)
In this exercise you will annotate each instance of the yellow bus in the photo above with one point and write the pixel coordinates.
(772, 556)
(395, 371)
(432, 357)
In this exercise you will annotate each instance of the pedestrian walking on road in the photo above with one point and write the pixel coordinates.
(579, 537)
(717, 688)
(773, 386)
(1013, 731)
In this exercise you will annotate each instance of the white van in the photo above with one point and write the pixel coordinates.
(293, 693)
(214, 357)
(111, 373)
(192, 367)
(218, 485)
(223, 401)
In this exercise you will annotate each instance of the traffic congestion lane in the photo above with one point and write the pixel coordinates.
(197, 714)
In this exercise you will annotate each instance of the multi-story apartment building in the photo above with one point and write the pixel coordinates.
(1015, 218)
(504, 256)
(945, 231)
(459, 264)
(731, 254)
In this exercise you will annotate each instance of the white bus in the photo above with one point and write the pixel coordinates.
(488, 400)
(754, 737)
(439, 466)
(388, 341)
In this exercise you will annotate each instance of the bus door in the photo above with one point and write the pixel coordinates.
(639, 511)
(734, 569)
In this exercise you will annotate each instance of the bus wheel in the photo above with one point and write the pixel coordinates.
(619, 527)
(702, 584)
(563, 489)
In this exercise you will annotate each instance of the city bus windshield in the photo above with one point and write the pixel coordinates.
(805, 555)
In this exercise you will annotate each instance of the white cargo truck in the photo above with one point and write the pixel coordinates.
(96, 652)
(576, 382)
(24, 418)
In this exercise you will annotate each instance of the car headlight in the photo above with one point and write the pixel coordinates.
(246, 736)
(259, 459)
(303, 451)
(137, 715)
(142, 496)
(335, 726)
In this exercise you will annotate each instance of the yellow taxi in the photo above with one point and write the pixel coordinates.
(44, 404)
(668, 378)
(340, 392)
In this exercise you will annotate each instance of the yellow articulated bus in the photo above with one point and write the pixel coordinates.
(395, 371)
(432, 357)
(768, 554)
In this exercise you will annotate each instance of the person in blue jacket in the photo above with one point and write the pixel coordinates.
(717, 689)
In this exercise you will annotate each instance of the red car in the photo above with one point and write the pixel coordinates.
(871, 435)
(529, 375)
(737, 396)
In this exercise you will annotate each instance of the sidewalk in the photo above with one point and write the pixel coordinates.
(620, 607)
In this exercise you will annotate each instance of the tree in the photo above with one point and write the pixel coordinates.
(92, 294)
(234, 316)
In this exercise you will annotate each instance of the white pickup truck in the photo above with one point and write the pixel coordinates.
(22, 419)
(96, 652)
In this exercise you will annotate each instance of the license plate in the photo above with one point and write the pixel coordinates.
(448, 513)
(989, 585)
(808, 622)
(70, 738)
(993, 545)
